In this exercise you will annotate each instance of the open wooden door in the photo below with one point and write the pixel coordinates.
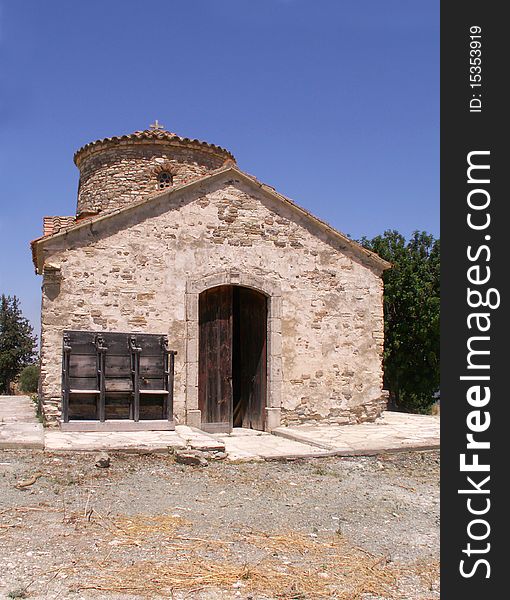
(232, 373)
(215, 359)
(250, 359)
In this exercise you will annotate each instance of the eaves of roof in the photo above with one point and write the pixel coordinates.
(148, 135)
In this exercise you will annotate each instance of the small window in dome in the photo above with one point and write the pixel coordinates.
(164, 180)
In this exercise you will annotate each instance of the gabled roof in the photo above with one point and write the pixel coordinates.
(365, 255)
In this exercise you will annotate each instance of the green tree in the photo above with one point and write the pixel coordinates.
(411, 317)
(17, 342)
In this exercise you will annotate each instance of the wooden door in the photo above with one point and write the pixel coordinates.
(215, 359)
(251, 324)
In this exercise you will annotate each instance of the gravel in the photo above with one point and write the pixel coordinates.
(64, 535)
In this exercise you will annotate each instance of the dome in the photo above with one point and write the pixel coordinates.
(117, 171)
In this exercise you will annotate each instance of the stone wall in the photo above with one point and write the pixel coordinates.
(132, 272)
(115, 177)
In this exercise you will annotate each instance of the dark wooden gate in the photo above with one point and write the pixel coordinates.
(110, 376)
(232, 358)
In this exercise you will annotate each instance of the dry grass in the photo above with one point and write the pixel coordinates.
(294, 566)
(141, 526)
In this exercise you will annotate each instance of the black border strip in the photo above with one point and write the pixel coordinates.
(464, 131)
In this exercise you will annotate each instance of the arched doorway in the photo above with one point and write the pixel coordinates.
(232, 369)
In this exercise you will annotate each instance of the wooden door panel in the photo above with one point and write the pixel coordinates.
(215, 358)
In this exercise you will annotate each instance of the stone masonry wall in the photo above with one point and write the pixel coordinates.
(129, 273)
(114, 177)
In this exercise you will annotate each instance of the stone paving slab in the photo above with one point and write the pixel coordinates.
(21, 415)
(198, 439)
(19, 427)
(17, 409)
(392, 432)
(134, 441)
(248, 444)
(21, 435)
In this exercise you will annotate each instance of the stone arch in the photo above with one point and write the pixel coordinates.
(160, 169)
(194, 287)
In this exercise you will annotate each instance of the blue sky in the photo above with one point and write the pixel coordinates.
(335, 103)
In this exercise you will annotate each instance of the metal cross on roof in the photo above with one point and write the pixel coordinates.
(156, 126)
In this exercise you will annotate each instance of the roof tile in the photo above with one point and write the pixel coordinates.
(149, 134)
(53, 225)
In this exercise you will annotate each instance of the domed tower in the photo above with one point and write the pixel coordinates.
(117, 171)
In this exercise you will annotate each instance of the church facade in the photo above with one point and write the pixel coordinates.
(184, 290)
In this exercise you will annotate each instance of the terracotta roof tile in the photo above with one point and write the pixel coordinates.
(53, 225)
(149, 134)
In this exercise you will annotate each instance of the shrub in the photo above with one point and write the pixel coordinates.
(29, 379)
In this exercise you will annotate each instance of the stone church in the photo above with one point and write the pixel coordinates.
(185, 291)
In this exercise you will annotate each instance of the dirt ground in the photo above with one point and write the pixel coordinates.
(147, 527)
